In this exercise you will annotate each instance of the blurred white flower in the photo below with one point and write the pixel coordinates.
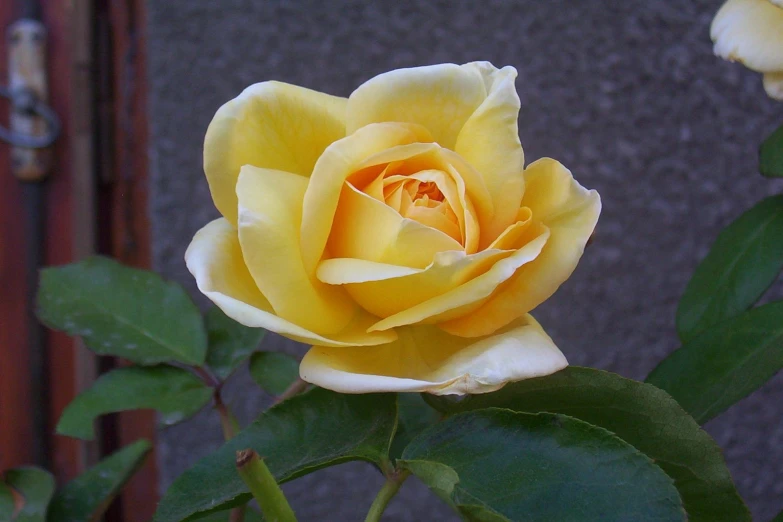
(751, 32)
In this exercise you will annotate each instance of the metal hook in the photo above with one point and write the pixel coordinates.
(25, 101)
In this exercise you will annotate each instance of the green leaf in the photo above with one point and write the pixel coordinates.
(122, 311)
(251, 515)
(778, 518)
(175, 393)
(230, 343)
(440, 478)
(742, 263)
(724, 364)
(36, 488)
(415, 415)
(640, 414)
(274, 372)
(505, 465)
(303, 434)
(771, 155)
(89, 495)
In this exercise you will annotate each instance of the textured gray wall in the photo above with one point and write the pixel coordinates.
(626, 94)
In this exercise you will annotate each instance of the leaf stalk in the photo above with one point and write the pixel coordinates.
(387, 492)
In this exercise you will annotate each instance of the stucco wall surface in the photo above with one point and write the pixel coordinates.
(626, 94)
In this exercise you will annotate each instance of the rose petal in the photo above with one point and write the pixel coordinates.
(518, 233)
(365, 228)
(270, 214)
(749, 32)
(414, 157)
(385, 290)
(773, 84)
(271, 125)
(570, 212)
(215, 259)
(441, 98)
(464, 228)
(342, 270)
(426, 359)
(416, 160)
(489, 141)
(465, 298)
(339, 161)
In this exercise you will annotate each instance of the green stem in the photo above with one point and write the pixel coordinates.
(264, 487)
(387, 492)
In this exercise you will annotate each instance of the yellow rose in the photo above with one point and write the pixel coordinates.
(751, 32)
(397, 230)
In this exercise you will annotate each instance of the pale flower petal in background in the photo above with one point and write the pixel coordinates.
(773, 84)
(751, 32)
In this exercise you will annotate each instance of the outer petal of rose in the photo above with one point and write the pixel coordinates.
(489, 141)
(749, 32)
(570, 212)
(773, 84)
(441, 98)
(427, 359)
(339, 161)
(215, 259)
(271, 125)
(270, 214)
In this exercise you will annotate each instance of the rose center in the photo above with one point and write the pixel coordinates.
(420, 196)
(422, 188)
(429, 191)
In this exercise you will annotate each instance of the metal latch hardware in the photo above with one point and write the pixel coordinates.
(34, 126)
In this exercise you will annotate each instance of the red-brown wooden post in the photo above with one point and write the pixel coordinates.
(84, 202)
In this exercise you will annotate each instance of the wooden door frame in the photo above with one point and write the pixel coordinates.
(96, 201)
(128, 204)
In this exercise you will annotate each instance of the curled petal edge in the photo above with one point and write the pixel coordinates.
(426, 359)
